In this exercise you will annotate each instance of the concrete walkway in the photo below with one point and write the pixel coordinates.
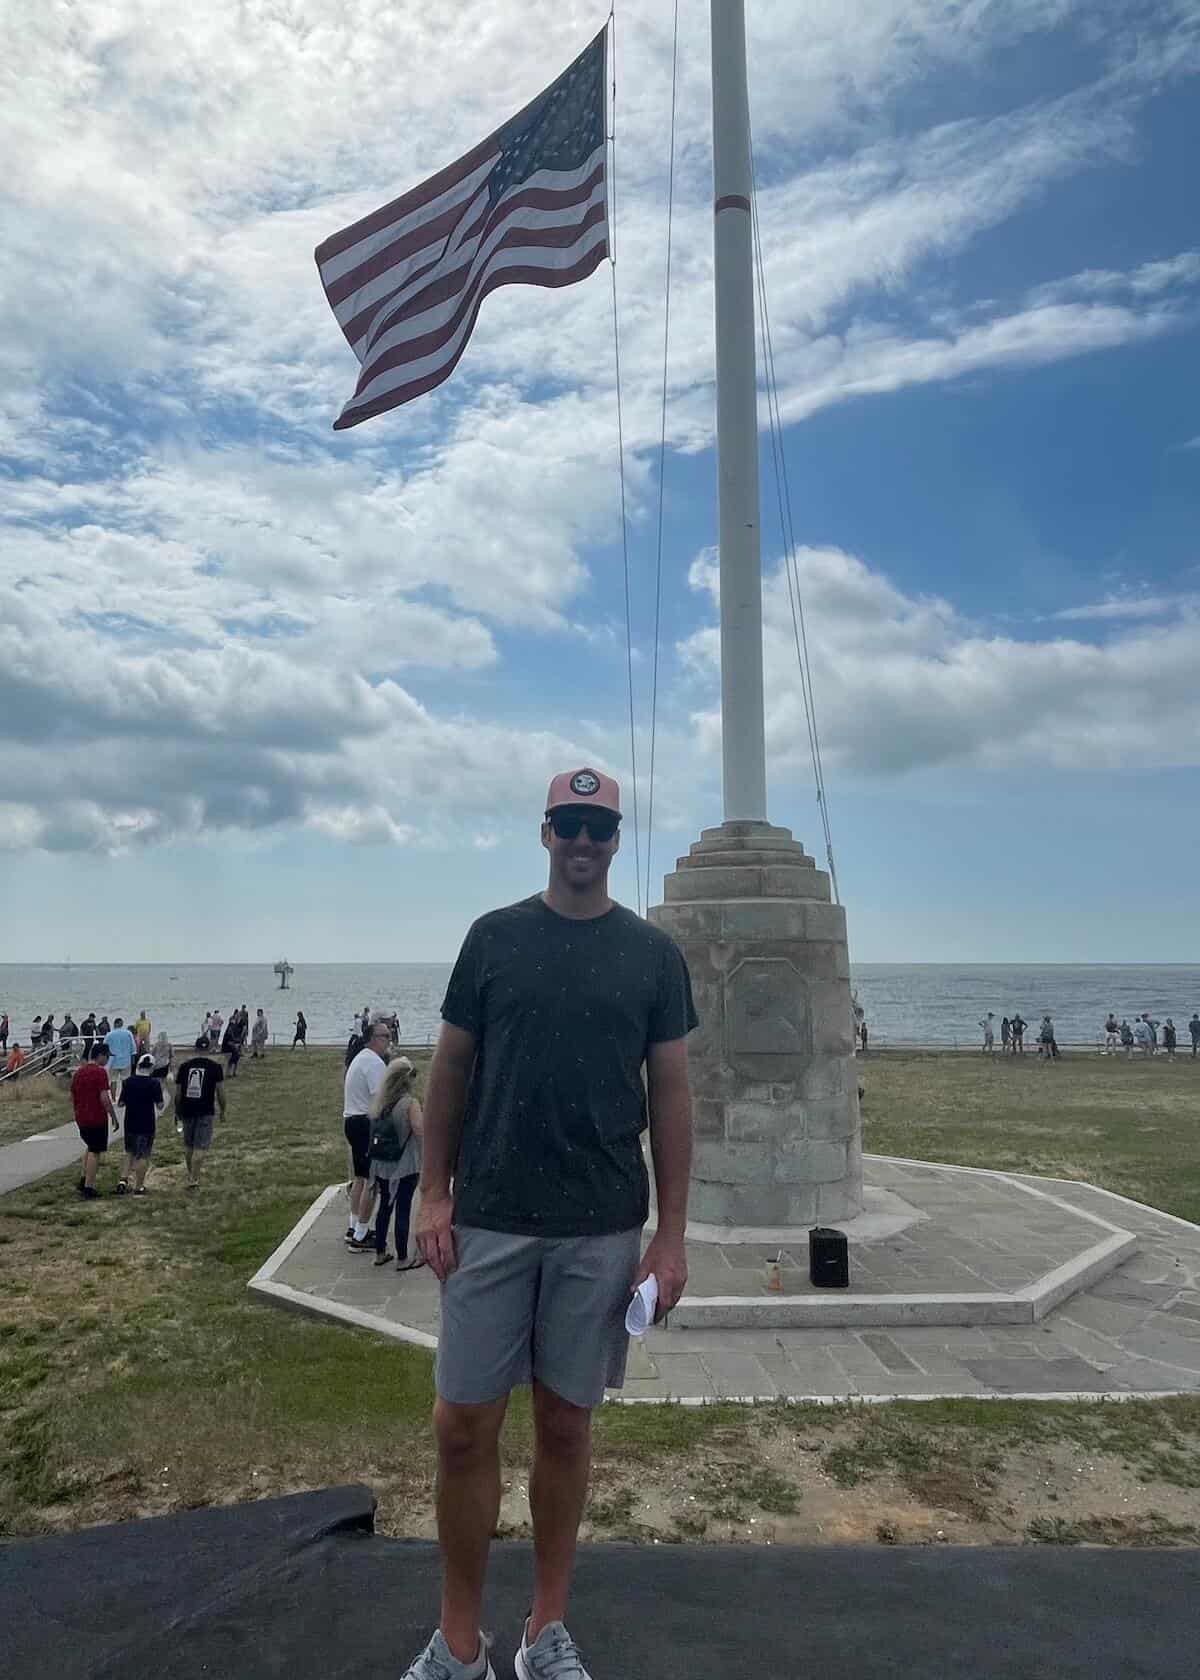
(1134, 1331)
(42, 1153)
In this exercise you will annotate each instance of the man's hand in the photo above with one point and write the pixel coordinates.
(666, 1257)
(434, 1230)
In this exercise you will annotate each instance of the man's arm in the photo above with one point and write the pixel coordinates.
(445, 1104)
(221, 1097)
(671, 1150)
(106, 1099)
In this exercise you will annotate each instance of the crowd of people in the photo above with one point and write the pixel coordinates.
(1145, 1037)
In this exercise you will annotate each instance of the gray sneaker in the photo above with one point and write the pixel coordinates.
(552, 1656)
(437, 1663)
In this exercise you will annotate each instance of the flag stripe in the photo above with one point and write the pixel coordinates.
(540, 206)
(434, 187)
(335, 269)
(419, 356)
(355, 412)
(550, 180)
(432, 319)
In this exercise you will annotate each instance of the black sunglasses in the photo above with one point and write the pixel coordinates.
(601, 825)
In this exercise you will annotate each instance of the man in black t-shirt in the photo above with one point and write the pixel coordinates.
(564, 1035)
(199, 1092)
(142, 1100)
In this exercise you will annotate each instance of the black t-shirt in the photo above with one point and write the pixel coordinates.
(141, 1094)
(196, 1084)
(563, 1012)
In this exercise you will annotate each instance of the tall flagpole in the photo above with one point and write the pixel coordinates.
(743, 745)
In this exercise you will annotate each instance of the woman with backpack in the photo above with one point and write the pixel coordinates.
(395, 1155)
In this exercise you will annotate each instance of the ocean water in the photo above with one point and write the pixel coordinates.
(924, 1003)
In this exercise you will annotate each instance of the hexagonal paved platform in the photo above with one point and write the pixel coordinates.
(1134, 1330)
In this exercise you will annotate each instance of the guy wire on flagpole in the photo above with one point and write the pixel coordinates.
(788, 534)
(612, 253)
(662, 454)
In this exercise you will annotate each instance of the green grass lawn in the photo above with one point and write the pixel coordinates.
(1133, 1127)
(138, 1376)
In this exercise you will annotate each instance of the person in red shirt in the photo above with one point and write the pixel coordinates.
(16, 1059)
(93, 1105)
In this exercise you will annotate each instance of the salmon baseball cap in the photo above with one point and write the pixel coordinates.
(584, 787)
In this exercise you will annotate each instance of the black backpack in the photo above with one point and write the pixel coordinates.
(386, 1141)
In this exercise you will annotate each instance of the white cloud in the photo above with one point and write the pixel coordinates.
(215, 609)
(904, 683)
(1121, 607)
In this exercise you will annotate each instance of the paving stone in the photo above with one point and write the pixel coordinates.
(1118, 1288)
(1186, 1309)
(1177, 1323)
(818, 1373)
(738, 1373)
(1098, 1350)
(1148, 1376)
(1110, 1318)
(1036, 1376)
(683, 1374)
(887, 1351)
(1171, 1350)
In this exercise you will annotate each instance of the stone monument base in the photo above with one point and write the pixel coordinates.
(775, 1092)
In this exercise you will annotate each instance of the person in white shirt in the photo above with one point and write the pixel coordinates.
(364, 1077)
(1142, 1036)
(989, 1032)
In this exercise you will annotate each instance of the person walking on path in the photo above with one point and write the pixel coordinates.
(216, 1026)
(161, 1055)
(199, 1092)
(87, 1029)
(395, 1153)
(300, 1036)
(231, 1044)
(1170, 1038)
(989, 1033)
(92, 1102)
(1018, 1035)
(364, 1077)
(533, 1197)
(121, 1051)
(16, 1058)
(1194, 1030)
(141, 1031)
(258, 1037)
(142, 1100)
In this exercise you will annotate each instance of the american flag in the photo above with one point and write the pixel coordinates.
(527, 205)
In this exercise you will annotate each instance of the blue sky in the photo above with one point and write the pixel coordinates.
(268, 688)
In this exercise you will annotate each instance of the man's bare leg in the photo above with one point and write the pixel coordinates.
(91, 1165)
(468, 1506)
(557, 1490)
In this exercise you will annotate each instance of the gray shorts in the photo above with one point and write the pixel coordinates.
(516, 1308)
(197, 1131)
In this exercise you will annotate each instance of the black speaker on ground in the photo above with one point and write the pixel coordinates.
(828, 1258)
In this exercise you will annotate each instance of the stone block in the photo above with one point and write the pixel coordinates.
(810, 1161)
(837, 1201)
(763, 919)
(730, 1163)
(821, 1081)
(718, 883)
(708, 1117)
(827, 922)
(1068, 1375)
(686, 922)
(754, 1122)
